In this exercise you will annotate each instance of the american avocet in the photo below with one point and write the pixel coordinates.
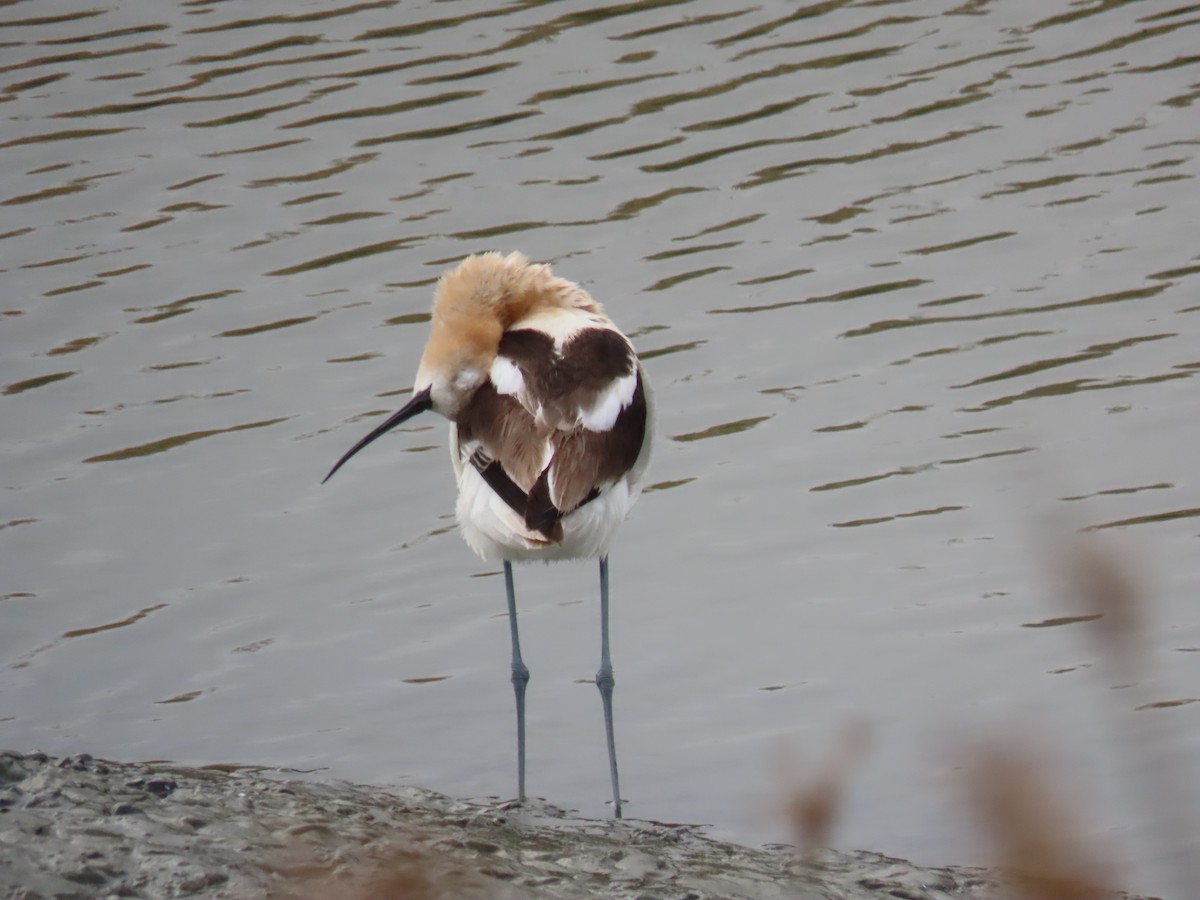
(550, 421)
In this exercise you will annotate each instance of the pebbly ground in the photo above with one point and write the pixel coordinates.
(87, 828)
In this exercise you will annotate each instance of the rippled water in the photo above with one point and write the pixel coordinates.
(908, 277)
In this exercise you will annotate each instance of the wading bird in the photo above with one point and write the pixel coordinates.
(550, 421)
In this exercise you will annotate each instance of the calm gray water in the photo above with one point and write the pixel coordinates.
(911, 279)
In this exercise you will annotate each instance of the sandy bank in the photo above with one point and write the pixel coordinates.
(82, 827)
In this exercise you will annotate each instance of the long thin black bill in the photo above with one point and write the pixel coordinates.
(418, 404)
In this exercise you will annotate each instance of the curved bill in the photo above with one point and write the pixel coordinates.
(418, 404)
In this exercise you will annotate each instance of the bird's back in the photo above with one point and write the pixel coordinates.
(551, 448)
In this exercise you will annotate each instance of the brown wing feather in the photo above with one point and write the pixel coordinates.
(585, 461)
(507, 432)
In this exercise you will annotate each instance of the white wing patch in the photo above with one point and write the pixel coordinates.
(562, 325)
(614, 398)
(506, 376)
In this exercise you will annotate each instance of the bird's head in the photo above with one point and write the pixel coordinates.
(472, 306)
(473, 303)
(455, 364)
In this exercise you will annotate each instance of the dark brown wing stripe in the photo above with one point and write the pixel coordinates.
(532, 351)
(541, 514)
(497, 479)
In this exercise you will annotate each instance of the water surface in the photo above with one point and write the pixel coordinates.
(909, 279)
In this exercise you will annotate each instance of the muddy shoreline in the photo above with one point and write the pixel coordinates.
(82, 827)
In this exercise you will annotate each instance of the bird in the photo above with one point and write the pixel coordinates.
(551, 422)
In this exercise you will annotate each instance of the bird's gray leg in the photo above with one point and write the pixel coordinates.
(520, 678)
(605, 681)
